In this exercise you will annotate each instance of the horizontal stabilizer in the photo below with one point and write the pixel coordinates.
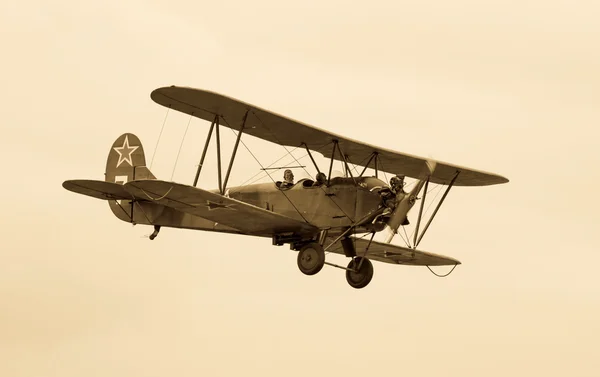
(395, 254)
(97, 189)
(233, 213)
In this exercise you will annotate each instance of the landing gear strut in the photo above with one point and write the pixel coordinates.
(311, 258)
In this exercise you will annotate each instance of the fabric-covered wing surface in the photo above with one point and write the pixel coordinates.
(284, 131)
(245, 217)
(395, 254)
(97, 189)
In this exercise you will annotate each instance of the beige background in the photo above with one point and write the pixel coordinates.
(509, 87)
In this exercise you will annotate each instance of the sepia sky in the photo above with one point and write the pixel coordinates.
(511, 87)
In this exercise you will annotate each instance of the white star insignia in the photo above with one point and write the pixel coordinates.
(125, 152)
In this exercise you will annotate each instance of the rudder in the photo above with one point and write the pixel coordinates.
(126, 162)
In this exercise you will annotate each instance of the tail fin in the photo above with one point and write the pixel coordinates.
(126, 162)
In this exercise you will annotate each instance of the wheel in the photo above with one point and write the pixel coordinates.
(311, 258)
(362, 277)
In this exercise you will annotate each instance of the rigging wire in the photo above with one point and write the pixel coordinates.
(251, 181)
(280, 143)
(439, 188)
(268, 166)
(180, 146)
(261, 177)
(262, 167)
(159, 135)
(382, 169)
(407, 237)
(262, 174)
(405, 241)
(441, 276)
(359, 164)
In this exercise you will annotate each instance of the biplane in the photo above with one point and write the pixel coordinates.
(331, 213)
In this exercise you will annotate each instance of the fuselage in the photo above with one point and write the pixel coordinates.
(337, 205)
(333, 207)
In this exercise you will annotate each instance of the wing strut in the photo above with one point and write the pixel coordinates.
(311, 158)
(421, 211)
(345, 159)
(219, 155)
(367, 164)
(331, 163)
(434, 212)
(235, 148)
(212, 127)
(215, 126)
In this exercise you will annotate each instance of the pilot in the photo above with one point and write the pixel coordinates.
(321, 179)
(288, 178)
(397, 184)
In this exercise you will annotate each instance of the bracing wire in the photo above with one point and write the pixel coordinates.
(261, 174)
(408, 238)
(252, 179)
(403, 239)
(359, 164)
(442, 276)
(276, 138)
(426, 211)
(181, 146)
(159, 135)
(383, 171)
(262, 167)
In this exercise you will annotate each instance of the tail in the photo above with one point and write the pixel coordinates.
(126, 162)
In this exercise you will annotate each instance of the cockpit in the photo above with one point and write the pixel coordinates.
(368, 183)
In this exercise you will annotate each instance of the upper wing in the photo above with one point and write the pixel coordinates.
(281, 130)
(395, 254)
(245, 217)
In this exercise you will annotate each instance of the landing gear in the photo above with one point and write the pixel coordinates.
(311, 258)
(359, 272)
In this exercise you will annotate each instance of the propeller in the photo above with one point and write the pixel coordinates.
(405, 201)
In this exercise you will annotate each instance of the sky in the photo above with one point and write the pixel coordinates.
(510, 87)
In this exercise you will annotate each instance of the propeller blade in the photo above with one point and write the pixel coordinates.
(404, 202)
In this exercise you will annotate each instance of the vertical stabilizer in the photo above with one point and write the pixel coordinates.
(126, 161)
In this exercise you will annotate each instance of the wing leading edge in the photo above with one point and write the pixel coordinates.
(278, 129)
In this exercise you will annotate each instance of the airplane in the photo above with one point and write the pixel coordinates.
(332, 213)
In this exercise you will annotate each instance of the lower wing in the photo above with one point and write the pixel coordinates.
(388, 253)
(245, 217)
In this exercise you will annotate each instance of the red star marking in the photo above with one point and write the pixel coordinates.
(125, 152)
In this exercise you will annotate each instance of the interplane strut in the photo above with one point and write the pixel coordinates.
(436, 209)
(210, 131)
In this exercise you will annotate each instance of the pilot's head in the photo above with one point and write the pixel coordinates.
(321, 177)
(288, 176)
(397, 182)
